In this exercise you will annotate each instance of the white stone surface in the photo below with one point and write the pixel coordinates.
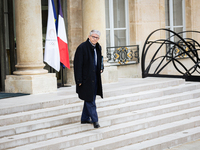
(110, 74)
(167, 141)
(117, 101)
(194, 145)
(31, 84)
(133, 111)
(60, 97)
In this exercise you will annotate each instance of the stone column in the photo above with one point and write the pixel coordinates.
(94, 18)
(30, 76)
(74, 26)
(29, 37)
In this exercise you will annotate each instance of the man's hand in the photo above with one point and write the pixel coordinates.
(80, 84)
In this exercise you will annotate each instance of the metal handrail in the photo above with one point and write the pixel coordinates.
(123, 55)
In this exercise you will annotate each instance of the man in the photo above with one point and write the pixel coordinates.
(88, 67)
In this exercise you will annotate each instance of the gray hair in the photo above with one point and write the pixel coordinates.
(95, 32)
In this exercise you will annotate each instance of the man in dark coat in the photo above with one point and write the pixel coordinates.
(88, 67)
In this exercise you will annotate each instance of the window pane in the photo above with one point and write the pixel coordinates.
(177, 30)
(108, 38)
(167, 20)
(120, 38)
(119, 13)
(107, 14)
(177, 12)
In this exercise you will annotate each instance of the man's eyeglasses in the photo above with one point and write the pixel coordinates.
(94, 37)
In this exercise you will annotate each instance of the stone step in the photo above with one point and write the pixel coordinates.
(40, 101)
(157, 136)
(132, 110)
(77, 107)
(126, 122)
(104, 111)
(118, 90)
(122, 134)
(167, 141)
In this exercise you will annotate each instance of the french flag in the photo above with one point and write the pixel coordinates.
(62, 39)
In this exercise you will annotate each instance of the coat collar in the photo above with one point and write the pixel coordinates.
(91, 45)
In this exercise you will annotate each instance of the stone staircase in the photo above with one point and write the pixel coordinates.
(150, 113)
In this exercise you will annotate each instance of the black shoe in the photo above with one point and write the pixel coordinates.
(96, 124)
(86, 122)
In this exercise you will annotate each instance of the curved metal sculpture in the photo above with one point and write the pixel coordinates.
(183, 48)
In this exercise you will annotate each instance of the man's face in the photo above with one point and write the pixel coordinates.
(93, 38)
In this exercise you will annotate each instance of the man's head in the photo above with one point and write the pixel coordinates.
(94, 36)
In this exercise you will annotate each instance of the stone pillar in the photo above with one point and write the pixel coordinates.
(30, 76)
(74, 26)
(29, 37)
(94, 18)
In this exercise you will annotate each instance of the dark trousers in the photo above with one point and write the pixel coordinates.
(89, 111)
(89, 108)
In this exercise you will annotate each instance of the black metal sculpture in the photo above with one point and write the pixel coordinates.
(182, 48)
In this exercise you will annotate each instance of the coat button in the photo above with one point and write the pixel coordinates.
(92, 80)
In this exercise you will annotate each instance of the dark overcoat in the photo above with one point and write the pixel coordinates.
(84, 71)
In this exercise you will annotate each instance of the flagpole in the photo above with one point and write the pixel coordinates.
(62, 81)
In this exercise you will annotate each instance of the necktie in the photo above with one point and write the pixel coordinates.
(95, 57)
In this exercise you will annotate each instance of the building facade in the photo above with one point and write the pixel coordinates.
(122, 23)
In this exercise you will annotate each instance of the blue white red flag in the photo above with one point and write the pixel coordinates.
(62, 39)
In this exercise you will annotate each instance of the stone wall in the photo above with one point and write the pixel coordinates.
(82, 17)
(144, 17)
